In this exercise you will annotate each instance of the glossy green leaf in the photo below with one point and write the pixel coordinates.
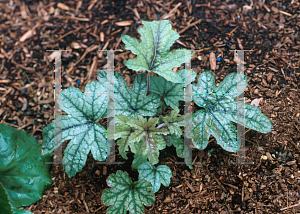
(80, 126)
(4, 201)
(23, 171)
(155, 175)
(6, 207)
(171, 92)
(153, 53)
(219, 109)
(125, 195)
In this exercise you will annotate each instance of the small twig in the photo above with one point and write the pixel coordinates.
(233, 30)
(162, 108)
(9, 124)
(171, 12)
(219, 183)
(291, 206)
(70, 32)
(189, 26)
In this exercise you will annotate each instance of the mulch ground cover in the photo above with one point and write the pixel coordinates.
(270, 29)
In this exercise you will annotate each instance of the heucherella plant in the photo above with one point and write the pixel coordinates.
(143, 123)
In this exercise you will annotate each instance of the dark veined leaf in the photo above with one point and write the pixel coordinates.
(80, 126)
(143, 138)
(125, 195)
(155, 175)
(173, 122)
(139, 158)
(131, 102)
(122, 131)
(220, 109)
(171, 92)
(153, 53)
(170, 139)
(150, 135)
(23, 172)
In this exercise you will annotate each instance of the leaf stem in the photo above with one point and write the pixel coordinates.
(148, 83)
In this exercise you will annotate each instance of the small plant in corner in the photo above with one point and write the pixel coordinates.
(142, 125)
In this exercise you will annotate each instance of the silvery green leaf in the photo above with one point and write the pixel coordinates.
(155, 175)
(125, 195)
(102, 76)
(220, 109)
(169, 91)
(216, 124)
(131, 102)
(185, 75)
(121, 131)
(153, 51)
(254, 118)
(80, 126)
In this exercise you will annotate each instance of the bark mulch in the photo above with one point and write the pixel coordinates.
(269, 28)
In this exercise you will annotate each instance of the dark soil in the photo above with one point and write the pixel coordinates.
(270, 29)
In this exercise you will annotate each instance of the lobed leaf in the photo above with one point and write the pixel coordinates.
(171, 92)
(155, 175)
(122, 131)
(80, 126)
(125, 195)
(173, 122)
(220, 109)
(150, 135)
(131, 102)
(153, 51)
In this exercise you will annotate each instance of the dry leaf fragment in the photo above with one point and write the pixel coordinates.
(101, 36)
(75, 45)
(124, 23)
(27, 35)
(269, 77)
(63, 6)
(136, 13)
(23, 11)
(264, 157)
(167, 200)
(256, 101)
(269, 156)
(212, 61)
(274, 9)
